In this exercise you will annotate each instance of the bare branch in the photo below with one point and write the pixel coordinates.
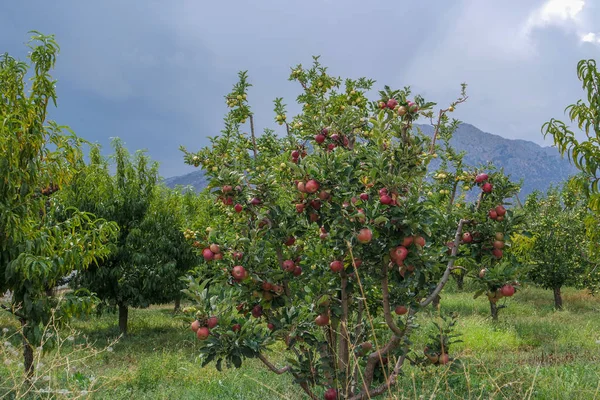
(450, 266)
(253, 136)
(278, 371)
(12, 311)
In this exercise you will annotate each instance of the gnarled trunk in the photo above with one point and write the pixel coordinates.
(558, 303)
(123, 314)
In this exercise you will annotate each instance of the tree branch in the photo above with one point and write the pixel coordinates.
(278, 371)
(450, 266)
(253, 136)
(386, 303)
(12, 311)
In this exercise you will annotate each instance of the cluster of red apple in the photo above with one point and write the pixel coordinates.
(269, 290)
(387, 198)
(393, 104)
(435, 357)
(497, 213)
(291, 267)
(202, 328)
(334, 140)
(497, 242)
(296, 154)
(310, 188)
(212, 252)
(482, 180)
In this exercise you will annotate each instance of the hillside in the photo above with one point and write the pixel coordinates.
(538, 166)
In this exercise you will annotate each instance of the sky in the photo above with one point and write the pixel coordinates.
(154, 73)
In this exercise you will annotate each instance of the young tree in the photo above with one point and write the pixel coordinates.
(328, 244)
(557, 249)
(37, 158)
(148, 259)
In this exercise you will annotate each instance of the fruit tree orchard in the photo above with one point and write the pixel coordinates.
(329, 232)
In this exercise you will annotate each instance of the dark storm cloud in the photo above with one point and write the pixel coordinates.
(154, 73)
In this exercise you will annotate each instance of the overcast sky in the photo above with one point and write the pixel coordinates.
(154, 72)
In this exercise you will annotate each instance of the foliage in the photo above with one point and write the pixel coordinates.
(37, 158)
(151, 253)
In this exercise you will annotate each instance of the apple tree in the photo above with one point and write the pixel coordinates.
(151, 254)
(328, 245)
(38, 157)
(557, 250)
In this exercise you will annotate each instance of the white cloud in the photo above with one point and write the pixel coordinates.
(590, 37)
(557, 13)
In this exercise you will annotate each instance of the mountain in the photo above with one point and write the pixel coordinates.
(538, 166)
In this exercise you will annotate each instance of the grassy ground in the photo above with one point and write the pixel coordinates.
(533, 352)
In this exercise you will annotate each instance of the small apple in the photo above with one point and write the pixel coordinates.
(207, 254)
(212, 322)
(316, 204)
(195, 325)
(385, 199)
(364, 196)
(364, 235)
(499, 236)
(288, 265)
(312, 186)
(255, 201)
(481, 178)
(238, 272)
(218, 256)
(487, 187)
(507, 290)
(498, 244)
(500, 210)
(420, 241)
(400, 253)
(290, 241)
(202, 333)
(407, 241)
(295, 154)
(336, 266)
(236, 327)
(330, 394)
(392, 103)
(297, 271)
(497, 253)
(301, 187)
(215, 248)
(226, 188)
(320, 138)
(257, 311)
(467, 237)
(401, 111)
(401, 310)
(238, 208)
(493, 214)
(322, 320)
(267, 286)
(271, 326)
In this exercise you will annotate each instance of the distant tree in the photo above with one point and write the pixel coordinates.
(556, 251)
(37, 158)
(137, 273)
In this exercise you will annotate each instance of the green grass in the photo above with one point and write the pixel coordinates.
(532, 352)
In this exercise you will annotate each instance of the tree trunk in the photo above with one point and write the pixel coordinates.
(558, 299)
(460, 281)
(177, 305)
(27, 351)
(494, 310)
(123, 313)
(436, 301)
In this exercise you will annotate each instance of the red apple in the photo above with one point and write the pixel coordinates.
(271, 327)
(238, 208)
(322, 320)
(297, 271)
(238, 272)
(401, 111)
(330, 394)
(383, 191)
(320, 138)
(202, 333)
(212, 322)
(481, 178)
(400, 253)
(195, 325)
(316, 204)
(382, 104)
(500, 210)
(323, 195)
(497, 253)
(218, 256)
(385, 199)
(207, 254)
(336, 266)
(301, 187)
(290, 241)
(364, 196)
(236, 327)
(311, 186)
(507, 290)
(467, 237)
(331, 146)
(487, 187)
(215, 248)
(407, 241)
(420, 241)
(289, 266)
(299, 208)
(364, 235)
(257, 311)
(313, 217)
(413, 108)
(392, 103)
(401, 310)
(255, 201)
(295, 154)
(493, 214)
(498, 244)
(267, 286)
